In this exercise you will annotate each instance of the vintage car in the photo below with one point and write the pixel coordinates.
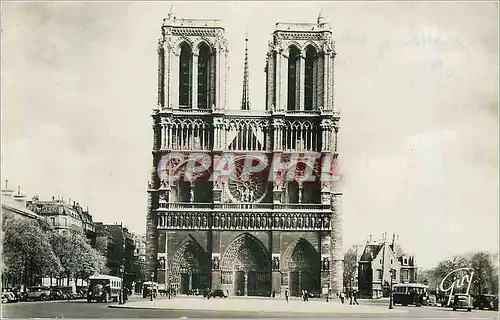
(218, 293)
(486, 301)
(8, 297)
(462, 301)
(38, 293)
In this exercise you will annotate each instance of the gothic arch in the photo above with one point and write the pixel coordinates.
(291, 44)
(178, 44)
(301, 135)
(190, 134)
(189, 256)
(293, 76)
(312, 45)
(185, 73)
(206, 42)
(246, 253)
(300, 255)
(189, 266)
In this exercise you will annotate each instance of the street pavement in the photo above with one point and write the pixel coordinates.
(232, 307)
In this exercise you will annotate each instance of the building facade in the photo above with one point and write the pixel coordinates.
(63, 215)
(380, 261)
(15, 204)
(117, 244)
(247, 232)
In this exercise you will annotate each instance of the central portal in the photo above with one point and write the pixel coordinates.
(247, 259)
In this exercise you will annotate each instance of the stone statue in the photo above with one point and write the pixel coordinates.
(204, 222)
(294, 222)
(191, 194)
(257, 221)
(276, 222)
(198, 222)
(246, 221)
(325, 222)
(252, 222)
(276, 263)
(223, 221)
(215, 263)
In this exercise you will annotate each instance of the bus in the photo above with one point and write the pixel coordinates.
(148, 287)
(409, 294)
(103, 288)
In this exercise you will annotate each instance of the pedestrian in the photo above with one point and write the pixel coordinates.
(306, 295)
(287, 293)
(274, 293)
(341, 296)
(355, 294)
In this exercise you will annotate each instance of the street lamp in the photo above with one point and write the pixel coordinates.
(122, 270)
(390, 290)
(152, 286)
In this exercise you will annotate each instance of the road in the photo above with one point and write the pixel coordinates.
(82, 309)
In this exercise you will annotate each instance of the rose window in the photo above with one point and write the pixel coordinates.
(246, 186)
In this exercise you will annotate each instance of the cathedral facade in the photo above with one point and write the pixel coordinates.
(242, 200)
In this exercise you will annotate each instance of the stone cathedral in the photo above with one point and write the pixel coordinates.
(248, 234)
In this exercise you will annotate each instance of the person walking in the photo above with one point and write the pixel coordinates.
(341, 296)
(287, 294)
(355, 294)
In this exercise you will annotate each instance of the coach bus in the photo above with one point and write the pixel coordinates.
(104, 288)
(409, 294)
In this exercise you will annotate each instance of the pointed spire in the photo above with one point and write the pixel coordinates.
(321, 18)
(171, 12)
(245, 99)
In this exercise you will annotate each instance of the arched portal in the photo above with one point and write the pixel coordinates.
(247, 262)
(190, 267)
(301, 262)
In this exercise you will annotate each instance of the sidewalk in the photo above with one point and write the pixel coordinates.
(255, 305)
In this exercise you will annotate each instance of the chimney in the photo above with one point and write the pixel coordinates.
(371, 240)
(6, 184)
(53, 198)
(393, 239)
(18, 189)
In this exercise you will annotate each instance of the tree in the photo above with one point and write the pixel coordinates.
(78, 259)
(485, 279)
(350, 268)
(26, 249)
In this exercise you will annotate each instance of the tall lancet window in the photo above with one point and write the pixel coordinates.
(203, 61)
(185, 73)
(293, 77)
(310, 83)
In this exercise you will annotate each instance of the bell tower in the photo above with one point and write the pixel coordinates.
(300, 67)
(192, 64)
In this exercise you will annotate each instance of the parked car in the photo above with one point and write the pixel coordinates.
(194, 292)
(432, 301)
(486, 301)
(38, 293)
(462, 301)
(218, 293)
(8, 297)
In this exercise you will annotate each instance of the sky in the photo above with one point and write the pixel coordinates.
(416, 84)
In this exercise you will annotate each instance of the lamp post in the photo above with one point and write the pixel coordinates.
(152, 286)
(390, 291)
(122, 300)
